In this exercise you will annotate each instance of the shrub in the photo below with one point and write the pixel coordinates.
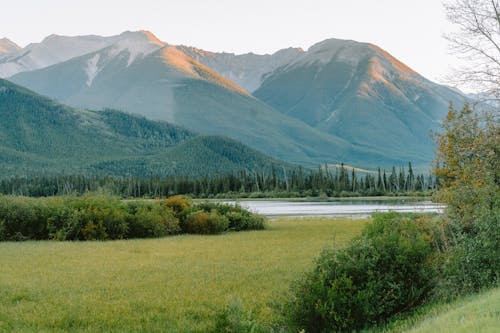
(238, 217)
(152, 221)
(99, 217)
(178, 203)
(23, 218)
(64, 224)
(474, 260)
(389, 269)
(201, 222)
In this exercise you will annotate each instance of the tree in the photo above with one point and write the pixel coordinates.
(468, 166)
(467, 163)
(478, 42)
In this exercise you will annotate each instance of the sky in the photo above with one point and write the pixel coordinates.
(410, 30)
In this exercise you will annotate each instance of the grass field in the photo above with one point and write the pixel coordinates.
(173, 284)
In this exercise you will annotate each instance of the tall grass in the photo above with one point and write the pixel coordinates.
(172, 284)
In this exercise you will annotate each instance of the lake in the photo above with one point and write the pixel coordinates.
(354, 209)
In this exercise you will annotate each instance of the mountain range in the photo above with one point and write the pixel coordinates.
(338, 101)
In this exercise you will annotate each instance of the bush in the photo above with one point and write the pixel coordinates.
(474, 260)
(151, 221)
(178, 203)
(238, 218)
(23, 218)
(98, 217)
(389, 269)
(201, 222)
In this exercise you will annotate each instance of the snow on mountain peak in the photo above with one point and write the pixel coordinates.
(136, 43)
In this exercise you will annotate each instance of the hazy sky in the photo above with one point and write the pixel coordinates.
(411, 30)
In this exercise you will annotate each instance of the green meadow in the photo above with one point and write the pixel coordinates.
(171, 284)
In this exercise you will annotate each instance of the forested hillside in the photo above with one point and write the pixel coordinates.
(41, 136)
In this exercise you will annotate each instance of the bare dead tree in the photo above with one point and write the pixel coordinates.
(478, 42)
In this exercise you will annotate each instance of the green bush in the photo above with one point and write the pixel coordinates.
(151, 221)
(239, 218)
(474, 260)
(389, 269)
(65, 223)
(99, 217)
(23, 218)
(201, 222)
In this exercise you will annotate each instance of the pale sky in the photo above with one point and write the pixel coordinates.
(411, 30)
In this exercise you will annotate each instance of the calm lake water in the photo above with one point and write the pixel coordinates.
(355, 209)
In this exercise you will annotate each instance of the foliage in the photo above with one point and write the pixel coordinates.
(201, 222)
(238, 217)
(468, 167)
(178, 204)
(151, 221)
(389, 269)
(22, 218)
(98, 217)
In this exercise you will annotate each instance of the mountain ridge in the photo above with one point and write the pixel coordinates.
(168, 85)
(338, 101)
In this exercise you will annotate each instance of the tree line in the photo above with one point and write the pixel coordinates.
(267, 182)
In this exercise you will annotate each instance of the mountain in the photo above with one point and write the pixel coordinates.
(362, 94)
(143, 76)
(7, 47)
(52, 50)
(41, 136)
(246, 70)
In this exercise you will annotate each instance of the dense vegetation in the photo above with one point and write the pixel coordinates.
(103, 218)
(469, 165)
(399, 263)
(270, 182)
(389, 269)
(39, 136)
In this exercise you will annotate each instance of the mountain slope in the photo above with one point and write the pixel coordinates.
(246, 70)
(167, 84)
(52, 50)
(362, 94)
(7, 47)
(38, 135)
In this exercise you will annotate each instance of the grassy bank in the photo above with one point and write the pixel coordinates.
(475, 313)
(169, 284)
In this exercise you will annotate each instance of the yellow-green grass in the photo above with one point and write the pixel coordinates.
(173, 284)
(479, 313)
